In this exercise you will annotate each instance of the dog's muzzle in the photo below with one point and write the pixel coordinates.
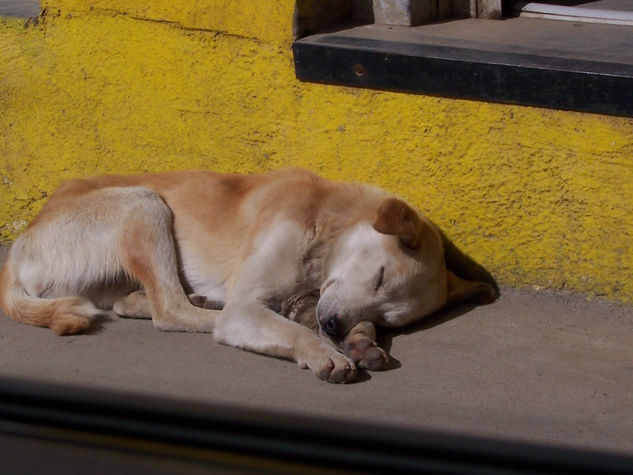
(331, 326)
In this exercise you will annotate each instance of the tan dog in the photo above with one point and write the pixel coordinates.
(259, 255)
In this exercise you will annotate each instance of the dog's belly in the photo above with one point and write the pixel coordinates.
(211, 293)
(209, 286)
(203, 280)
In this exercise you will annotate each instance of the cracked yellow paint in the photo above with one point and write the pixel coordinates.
(541, 197)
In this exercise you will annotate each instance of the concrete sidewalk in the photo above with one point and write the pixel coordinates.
(19, 9)
(535, 366)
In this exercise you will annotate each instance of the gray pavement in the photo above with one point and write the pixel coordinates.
(534, 366)
(19, 8)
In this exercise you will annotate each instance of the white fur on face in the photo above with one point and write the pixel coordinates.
(371, 277)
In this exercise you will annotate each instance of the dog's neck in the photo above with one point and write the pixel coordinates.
(342, 210)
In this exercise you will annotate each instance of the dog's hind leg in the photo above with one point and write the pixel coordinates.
(148, 254)
(56, 268)
(64, 315)
(133, 305)
(90, 241)
(136, 304)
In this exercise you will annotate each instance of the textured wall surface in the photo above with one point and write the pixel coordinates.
(540, 197)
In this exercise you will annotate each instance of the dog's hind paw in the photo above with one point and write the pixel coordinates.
(365, 353)
(202, 302)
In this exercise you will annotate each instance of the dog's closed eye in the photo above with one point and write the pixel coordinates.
(380, 279)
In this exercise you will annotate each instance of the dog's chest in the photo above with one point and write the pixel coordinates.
(299, 303)
(301, 308)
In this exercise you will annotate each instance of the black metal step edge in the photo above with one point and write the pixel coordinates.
(467, 73)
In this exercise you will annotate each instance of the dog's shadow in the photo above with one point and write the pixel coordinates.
(385, 336)
(463, 266)
(99, 323)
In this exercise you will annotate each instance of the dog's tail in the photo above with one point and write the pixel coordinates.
(64, 316)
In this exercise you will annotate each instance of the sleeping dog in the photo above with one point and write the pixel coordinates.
(286, 263)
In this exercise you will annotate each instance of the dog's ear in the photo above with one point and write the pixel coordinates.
(461, 290)
(396, 217)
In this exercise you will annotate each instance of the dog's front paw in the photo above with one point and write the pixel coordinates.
(329, 364)
(365, 352)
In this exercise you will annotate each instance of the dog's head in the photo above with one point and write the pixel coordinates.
(391, 272)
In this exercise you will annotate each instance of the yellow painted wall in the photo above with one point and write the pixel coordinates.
(540, 197)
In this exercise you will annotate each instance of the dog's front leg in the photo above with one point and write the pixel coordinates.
(359, 344)
(361, 347)
(256, 328)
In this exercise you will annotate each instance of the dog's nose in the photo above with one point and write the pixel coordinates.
(331, 326)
